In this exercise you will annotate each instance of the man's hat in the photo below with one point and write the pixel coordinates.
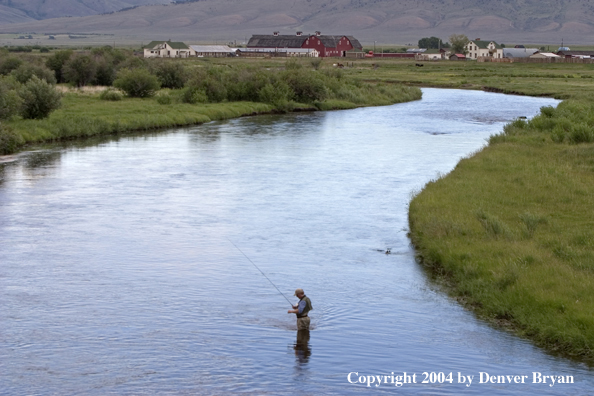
(298, 291)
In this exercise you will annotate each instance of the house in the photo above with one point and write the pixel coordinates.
(544, 55)
(167, 49)
(213, 51)
(518, 52)
(282, 52)
(481, 48)
(431, 54)
(455, 57)
(325, 45)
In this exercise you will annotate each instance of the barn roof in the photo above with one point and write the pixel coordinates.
(293, 41)
(280, 41)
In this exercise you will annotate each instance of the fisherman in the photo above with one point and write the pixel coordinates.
(301, 310)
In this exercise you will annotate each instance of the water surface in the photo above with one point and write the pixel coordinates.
(118, 274)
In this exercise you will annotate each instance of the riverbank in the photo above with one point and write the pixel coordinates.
(509, 230)
(86, 114)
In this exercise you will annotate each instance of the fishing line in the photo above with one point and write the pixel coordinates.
(260, 271)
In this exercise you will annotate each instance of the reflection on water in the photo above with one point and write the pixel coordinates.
(301, 347)
(117, 275)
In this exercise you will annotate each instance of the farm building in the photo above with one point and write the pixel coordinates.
(213, 51)
(518, 52)
(456, 57)
(544, 55)
(282, 52)
(481, 48)
(575, 54)
(336, 46)
(167, 49)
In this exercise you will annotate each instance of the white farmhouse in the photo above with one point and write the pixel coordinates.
(481, 48)
(167, 49)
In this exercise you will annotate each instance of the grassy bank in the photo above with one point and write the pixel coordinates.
(207, 92)
(510, 231)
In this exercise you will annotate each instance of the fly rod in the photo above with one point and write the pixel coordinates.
(245, 255)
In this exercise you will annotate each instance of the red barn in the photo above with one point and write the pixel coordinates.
(326, 45)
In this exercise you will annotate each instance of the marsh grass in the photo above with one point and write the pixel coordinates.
(526, 257)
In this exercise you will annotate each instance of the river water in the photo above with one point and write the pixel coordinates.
(119, 274)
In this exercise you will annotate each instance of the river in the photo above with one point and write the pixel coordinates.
(122, 266)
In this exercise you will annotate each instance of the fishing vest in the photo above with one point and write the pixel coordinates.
(307, 308)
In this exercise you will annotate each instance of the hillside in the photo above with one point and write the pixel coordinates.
(388, 21)
(16, 11)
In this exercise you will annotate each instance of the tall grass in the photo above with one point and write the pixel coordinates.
(523, 255)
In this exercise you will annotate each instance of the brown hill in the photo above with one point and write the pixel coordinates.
(388, 21)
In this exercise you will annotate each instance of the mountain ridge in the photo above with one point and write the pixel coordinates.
(369, 20)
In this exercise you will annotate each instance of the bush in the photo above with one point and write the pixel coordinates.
(111, 95)
(137, 83)
(105, 73)
(194, 94)
(308, 86)
(56, 63)
(9, 64)
(164, 99)
(171, 74)
(9, 140)
(277, 94)
(39, 98)
(10, 102)
(80, 70)
(26, 71)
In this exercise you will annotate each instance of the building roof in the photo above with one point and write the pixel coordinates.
(213, 48)
(294, 41)
(458, 55)
(483, 44)
(518, 52)
(292, 50)
(172, 44)
(545, 55)
(576, 53)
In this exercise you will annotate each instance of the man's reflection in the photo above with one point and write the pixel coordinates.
(301, 347)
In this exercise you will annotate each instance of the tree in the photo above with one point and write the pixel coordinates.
(431, 43)
(137, 83)
(80, 70)
(171, 74)
(10, 101)
(39, 98)
(458, 42)
(9, 64)
(28, 70)
(56, 63)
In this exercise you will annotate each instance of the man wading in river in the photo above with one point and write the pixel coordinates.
(301, 310)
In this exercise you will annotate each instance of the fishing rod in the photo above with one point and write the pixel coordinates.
(245, 255)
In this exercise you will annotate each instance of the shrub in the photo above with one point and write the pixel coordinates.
(292, 64)
(10, 101)
(9, 64)
(80, 70)
(137, 83)
(277, 94)
(164, 99)
(9, 140)
(194, 94)
(111, 95)
(105, 73)
(26, 71)
(56, 63)
(581, 133)
(39, 98)
(171, 74)
(308, 86)
(316, 63)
